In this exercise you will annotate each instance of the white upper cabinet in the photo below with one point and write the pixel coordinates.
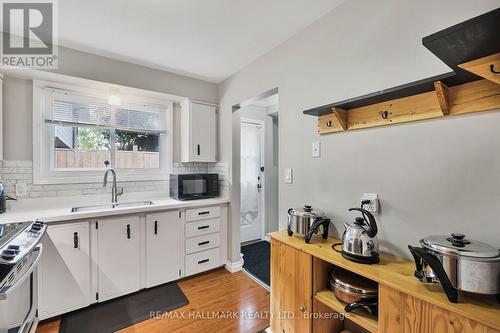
(64, 270)
(198, 132)
(164, 239)
(118, 256)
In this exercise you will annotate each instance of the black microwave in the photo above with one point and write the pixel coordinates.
(194, 186)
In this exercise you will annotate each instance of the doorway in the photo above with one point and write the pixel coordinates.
(257, 122)
(251, 176)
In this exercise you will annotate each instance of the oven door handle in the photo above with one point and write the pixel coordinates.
(7, 291)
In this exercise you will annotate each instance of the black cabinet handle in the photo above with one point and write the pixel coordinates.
(203, 227)
(198, 148)
(204, 213)
(75, 240)
(128, 231)
(204, 243)
(203, 261)
(156, 227)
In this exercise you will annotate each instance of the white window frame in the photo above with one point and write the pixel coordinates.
(43, 141)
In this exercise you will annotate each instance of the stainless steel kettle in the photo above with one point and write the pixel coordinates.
(359, 241)
(306, 221)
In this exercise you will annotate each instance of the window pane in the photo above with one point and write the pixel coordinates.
(137, 150)
(81, 147)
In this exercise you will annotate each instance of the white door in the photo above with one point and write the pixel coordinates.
(163, 247)
(64, 270)
(251, 182)
(203, 134)
(118, 257)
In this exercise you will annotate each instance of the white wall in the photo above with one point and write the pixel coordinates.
(433, 177)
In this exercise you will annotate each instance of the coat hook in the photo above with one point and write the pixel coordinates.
(384, 114)
(492, 69)
(329, 123)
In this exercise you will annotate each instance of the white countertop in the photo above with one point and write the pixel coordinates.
(58, 209)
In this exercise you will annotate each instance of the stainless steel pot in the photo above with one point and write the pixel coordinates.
(458, 264)
(306, 222)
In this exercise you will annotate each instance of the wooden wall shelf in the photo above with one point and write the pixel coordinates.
(476, 96)
(470, 48)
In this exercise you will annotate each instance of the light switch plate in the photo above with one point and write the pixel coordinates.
(316, 149)
(288, 176)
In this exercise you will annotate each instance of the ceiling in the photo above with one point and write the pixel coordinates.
(204, 39)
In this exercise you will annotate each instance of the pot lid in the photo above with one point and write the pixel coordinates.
(306, 211)
(457, 244)
(353, 284)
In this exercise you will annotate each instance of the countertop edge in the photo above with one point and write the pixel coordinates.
(63, 214)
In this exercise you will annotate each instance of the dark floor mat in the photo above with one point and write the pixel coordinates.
(257, 258)
(125, 311)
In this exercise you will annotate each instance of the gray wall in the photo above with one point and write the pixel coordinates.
(17, 98)
(94, 67)
(17, 119)
(271, 161)
(433, 177)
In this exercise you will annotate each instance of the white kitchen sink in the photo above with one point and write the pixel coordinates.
(111, 206)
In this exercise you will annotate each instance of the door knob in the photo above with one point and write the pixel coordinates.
(259, 186)
(303, 308)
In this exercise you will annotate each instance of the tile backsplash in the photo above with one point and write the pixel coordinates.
(20, 174)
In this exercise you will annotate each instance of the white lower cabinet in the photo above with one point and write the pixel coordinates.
(202, 261)
(163, 247)
(86, 262)
(118, 257)
(64, 269)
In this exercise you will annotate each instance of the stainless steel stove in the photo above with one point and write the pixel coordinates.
(20, 250)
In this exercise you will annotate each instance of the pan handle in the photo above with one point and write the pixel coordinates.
(360, 304)
(437, 267)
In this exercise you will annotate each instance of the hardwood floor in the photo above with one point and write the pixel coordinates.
(210, 295)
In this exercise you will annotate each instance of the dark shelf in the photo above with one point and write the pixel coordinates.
(475, 38)
(405, 90)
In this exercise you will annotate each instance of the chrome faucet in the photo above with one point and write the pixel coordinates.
(115, 191)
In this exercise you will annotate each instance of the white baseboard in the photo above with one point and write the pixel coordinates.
(234, 267)
(267, 238)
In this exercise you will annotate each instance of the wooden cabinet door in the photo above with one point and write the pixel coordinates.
(203, 132)
(163, 247)
(291, 289)
(402, 313)
(64, 269)
(118, 256)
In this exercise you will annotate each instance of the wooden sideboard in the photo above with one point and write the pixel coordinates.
(301, 301)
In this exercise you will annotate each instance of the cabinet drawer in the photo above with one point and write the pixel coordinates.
(202, 261)
(197, 214)
(202, 227)
(202, 243)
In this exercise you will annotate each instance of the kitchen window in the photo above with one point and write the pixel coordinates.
(78, 129)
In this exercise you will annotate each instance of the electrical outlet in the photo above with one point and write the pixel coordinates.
(21, 189)
(373, 206)
(316, 149)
